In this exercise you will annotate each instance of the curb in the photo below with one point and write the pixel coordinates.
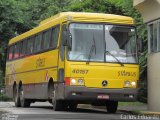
(150, 113)
(140, 112)
(135, 112)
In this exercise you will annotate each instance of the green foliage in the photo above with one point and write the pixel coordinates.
(13, 19)
(42, 9)
(3, 97)
(101, 6)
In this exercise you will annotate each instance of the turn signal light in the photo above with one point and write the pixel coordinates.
(67, 80)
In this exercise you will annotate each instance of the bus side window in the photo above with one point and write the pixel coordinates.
(10, 53)
(46, 39)
(13, 49)
(7, 57)
(30, 43)
(16, 51)
(20, 49)
(54, 37)
(24, 47)
(63, 37)
(37, 44)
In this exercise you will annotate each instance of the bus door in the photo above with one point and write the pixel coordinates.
(61, 63)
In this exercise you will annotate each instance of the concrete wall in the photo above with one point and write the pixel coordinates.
(150, 9)
(154, 82)
(137, 2)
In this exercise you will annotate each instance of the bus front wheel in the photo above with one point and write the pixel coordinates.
(112, 106)
(57, 105)
(72, 106)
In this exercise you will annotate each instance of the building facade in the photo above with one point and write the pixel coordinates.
(150, 10)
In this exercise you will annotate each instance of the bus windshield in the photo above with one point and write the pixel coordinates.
(93, 42)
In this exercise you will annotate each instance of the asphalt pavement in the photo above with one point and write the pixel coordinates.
(44, 111)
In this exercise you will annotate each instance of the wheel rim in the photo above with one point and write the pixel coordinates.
(16, 97)
(53, 100)
(22, 97)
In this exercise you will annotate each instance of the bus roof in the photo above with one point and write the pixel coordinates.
(76, 17)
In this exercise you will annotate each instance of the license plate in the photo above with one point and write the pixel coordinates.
(103, 96)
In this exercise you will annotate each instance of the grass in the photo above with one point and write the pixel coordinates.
(2, 112)
(131, 103)
(3, 97)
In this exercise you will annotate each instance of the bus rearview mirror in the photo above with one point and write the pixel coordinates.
(69, 41)
(140, 45)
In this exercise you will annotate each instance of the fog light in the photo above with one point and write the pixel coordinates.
(80, 82)
(131, 96)
(133, 83)
(73, 93)
(73, 81)
(127, 83)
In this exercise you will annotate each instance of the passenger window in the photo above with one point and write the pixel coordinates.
(16, 50)
(30, 45)
(63, 37)
(46, 39)
(24, 49)
(37, 45)
(10, 54)
(54, 37)
(20, 49)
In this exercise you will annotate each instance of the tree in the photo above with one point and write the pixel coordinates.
(101, 6)
(14, 21)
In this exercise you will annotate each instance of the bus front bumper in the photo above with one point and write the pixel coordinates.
(84, 93)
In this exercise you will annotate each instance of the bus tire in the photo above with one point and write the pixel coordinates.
(72, 106)
(112, 106)
(57, 105)
(50, 90)
(16, 97)
(24, 102)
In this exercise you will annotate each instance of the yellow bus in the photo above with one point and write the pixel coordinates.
(74, 58)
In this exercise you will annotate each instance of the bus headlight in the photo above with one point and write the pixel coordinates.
(133, 83)
(80, 82)
(127, 83)
(73, 81)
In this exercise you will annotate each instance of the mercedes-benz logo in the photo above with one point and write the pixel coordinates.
(104, 83)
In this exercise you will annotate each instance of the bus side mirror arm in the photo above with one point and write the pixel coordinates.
(68, 40)
(65, 42)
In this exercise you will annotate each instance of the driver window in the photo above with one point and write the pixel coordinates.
(63, 39)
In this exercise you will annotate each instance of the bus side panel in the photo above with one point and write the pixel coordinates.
(46, 69)
(9, 79)
(34, 72)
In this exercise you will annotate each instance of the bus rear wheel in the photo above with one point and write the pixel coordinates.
(16, 97)
(24, 102)
(112, 106)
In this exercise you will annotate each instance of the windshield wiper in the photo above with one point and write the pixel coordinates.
(93, 47)
(113, 57)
